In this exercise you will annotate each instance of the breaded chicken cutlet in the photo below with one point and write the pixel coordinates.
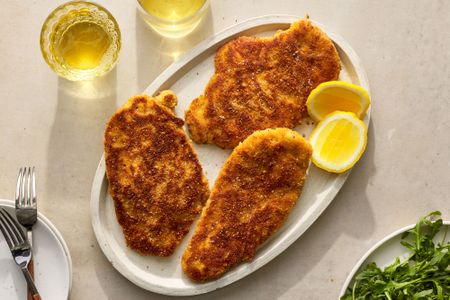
(154, 175)
(262, 83)
(251, 198)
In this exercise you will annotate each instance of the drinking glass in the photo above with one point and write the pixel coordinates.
(80, 40)
(173, 18)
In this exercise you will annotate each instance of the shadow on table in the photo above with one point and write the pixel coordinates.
(155, 52)
(74, 149)
(290, 267)
(77, 132)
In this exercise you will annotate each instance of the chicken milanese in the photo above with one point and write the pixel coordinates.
(251, 198)
(154, 175)
(262, 83)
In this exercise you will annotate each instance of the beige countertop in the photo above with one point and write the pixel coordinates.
(57, 126)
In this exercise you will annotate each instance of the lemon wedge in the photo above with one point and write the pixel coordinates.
(338, 141)
(331, 96)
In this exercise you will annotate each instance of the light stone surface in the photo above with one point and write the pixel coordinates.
(57, 126)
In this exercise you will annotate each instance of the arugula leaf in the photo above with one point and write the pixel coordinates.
(424, 275)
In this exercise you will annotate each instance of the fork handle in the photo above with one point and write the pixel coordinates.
(36, 297)
(30, 282)
(31, 263)
(31, 271)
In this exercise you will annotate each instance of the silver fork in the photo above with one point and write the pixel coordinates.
(26, 206)
(19, 246)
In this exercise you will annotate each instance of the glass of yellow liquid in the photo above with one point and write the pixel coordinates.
(80, 40)
(173, 18)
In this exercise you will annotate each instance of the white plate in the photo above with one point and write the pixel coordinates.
(52, 263)
(385, 251)
(188, 77)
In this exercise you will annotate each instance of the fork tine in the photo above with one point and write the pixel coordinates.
(14, 226)
(13, 239)
(22, 187)
(19, 183)
(33, 187)
(5, 233)
(28, 200)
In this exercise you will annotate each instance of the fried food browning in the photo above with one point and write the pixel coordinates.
(252, 197)
(262, 83)
(154, 175)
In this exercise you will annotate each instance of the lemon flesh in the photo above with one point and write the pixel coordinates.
(338, 142)
(337, 96)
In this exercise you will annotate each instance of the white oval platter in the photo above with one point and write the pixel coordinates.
(385, 251)
(188, 77)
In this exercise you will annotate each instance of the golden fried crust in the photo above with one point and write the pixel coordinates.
(252, 197)
(154, 175)
(262, 83)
